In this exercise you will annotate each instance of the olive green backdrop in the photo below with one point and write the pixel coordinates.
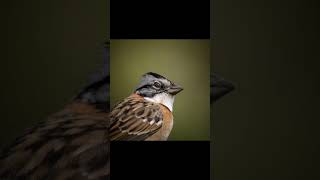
(48, 49)
(185, 62)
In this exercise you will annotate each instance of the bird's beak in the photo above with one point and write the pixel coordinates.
(219, 87)
(174, 89)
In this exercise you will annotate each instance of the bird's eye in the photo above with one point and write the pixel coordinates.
(157, 85)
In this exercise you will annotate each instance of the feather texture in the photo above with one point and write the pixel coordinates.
(72, 143)
(135, 118)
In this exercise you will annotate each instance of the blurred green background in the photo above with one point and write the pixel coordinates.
(185, 62)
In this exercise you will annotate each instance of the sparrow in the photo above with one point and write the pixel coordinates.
(72, 143)
(147, 113)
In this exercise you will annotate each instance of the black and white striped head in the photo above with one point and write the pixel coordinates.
(156, 88)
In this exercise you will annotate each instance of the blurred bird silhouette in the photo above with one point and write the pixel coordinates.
(74, 143)
(70, 144)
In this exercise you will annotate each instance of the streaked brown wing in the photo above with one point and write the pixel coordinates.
(135, 119)
(69, 145)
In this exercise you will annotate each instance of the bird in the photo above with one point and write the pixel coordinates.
(71, 144)
(74, 143)
(147, 113)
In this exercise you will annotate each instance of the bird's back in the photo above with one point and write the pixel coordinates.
(72, 143)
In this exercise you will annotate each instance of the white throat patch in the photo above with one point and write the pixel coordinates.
(163, 98)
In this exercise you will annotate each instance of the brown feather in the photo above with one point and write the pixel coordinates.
(56, 148)
(130, 119)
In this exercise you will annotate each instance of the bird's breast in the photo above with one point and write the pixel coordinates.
(167, 125)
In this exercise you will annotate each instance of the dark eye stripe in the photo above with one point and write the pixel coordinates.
(145, 86)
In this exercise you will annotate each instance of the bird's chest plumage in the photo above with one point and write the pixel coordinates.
(166, 128)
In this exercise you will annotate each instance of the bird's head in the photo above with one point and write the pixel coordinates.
(156, 88)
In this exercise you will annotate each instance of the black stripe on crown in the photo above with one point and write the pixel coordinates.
(158, 76)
